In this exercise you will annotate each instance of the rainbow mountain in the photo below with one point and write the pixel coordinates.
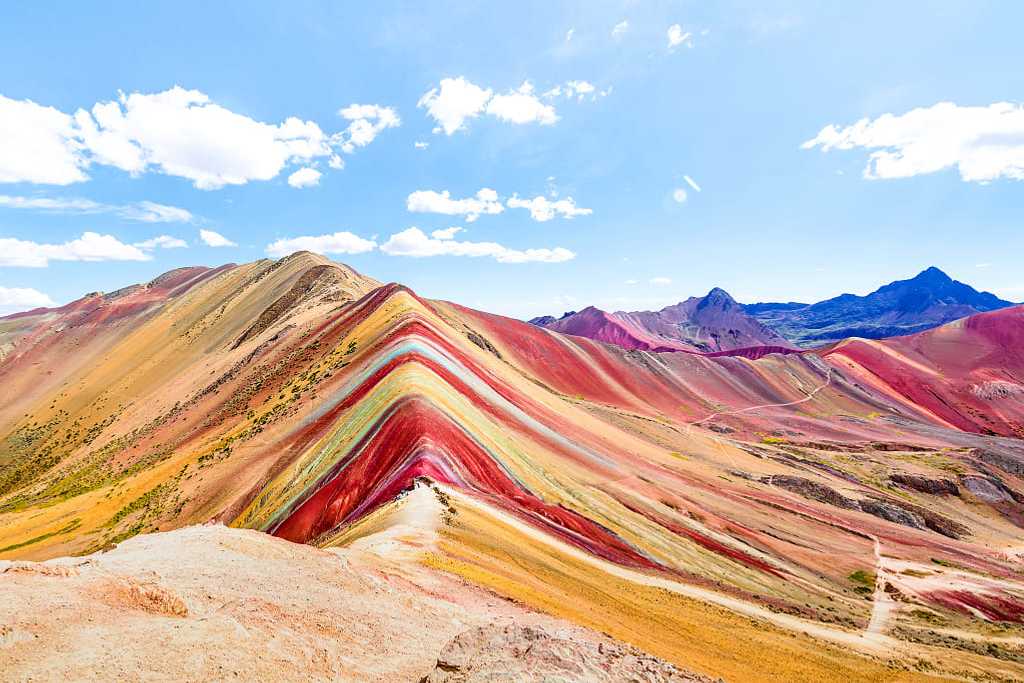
(848, 513)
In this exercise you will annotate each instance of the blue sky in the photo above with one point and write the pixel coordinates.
(624, 154)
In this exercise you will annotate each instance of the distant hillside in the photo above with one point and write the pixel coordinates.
(705, 324)
(928, 300)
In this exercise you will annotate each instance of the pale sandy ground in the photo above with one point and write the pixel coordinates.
(209, 603)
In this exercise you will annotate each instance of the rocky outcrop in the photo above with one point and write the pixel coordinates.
(896, 511)
(922, 484)
(525, 653)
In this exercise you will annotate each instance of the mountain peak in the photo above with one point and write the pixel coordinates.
(931, 274)
(717, 298)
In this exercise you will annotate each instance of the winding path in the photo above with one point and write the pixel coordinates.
(805, 399)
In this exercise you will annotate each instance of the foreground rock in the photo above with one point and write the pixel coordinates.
(510, 652)
(213, 603)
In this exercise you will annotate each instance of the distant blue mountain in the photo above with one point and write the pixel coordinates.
(928, 300)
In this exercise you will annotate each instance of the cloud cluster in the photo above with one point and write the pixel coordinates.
(677, 36)
(145, 211)
(367, 121)
(343, 242)
(983, 143)
(22, 298)
(162, 242)
(414, 242)
(91, 246)
(542, 209)
(456, 101)
(176, 132)
(487, 201)
(304, 177)
(522, 106)
(428, 201)
(215, 239)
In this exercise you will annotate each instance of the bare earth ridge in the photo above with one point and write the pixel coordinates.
(851, 513)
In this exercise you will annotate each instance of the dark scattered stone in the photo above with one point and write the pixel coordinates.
(482, 342)
(1009, 463)
(721, 429)
(922, 484)
(896, 511)
(914, 516)
(811, 489)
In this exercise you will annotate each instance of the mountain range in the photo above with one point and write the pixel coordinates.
(850, 513)
(716, 323)
(703, 324)
(927, 300)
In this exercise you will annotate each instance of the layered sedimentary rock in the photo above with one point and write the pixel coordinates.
(683, 503)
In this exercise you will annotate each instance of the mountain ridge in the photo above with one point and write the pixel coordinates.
(708, 324)
(631, 485)
(927, 300)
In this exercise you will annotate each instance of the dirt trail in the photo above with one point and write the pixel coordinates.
(883, 604)
(805, 399)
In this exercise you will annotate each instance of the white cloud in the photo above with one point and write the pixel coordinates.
(343, 242)
(677, 37)
(457, 101)
(215, 239)
(162, 242)
(631, 282)
(620, 29)
(177, 132)
(304, 177)
(414, 242)
(182, 133)
(14, 299)
(454, 102)
(90, 246)
(542, 209)
(419, 144)
(579, 89)
(145, 211)
(983, 143)
(679, 195)
(692, 183)
(660, 281)
(446, 233)
(427, 201)
(982, 265)
(569, 35)
(522, 106)
(38, 145)
(367, 122)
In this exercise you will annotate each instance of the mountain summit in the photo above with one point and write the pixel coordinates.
(712, 323)
(929, 299)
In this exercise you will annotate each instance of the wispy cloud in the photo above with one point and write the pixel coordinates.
(677, 36)
(162, 242)
(415, 243)
(343, 242)
(215, 239)
(144, 211)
